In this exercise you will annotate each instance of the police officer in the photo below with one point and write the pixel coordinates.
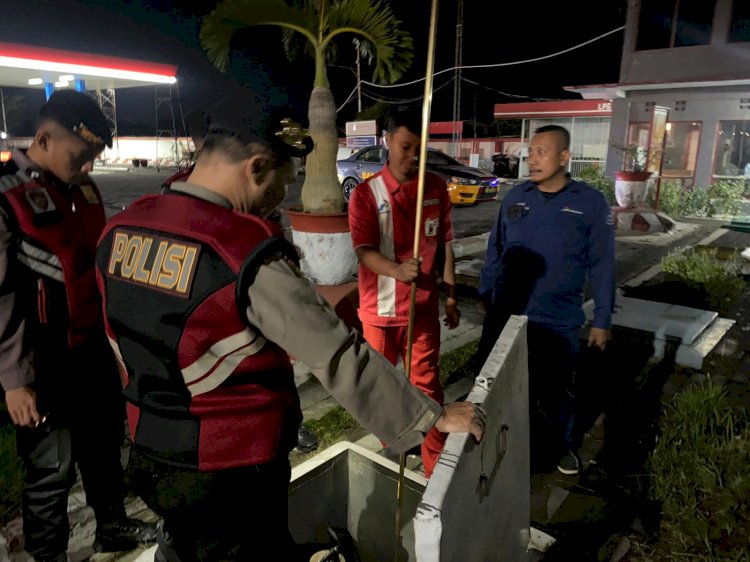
(57, 371)
(203, 321)
(196, 126)
(551, 233)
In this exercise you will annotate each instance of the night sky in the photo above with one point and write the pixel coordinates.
(167, 31)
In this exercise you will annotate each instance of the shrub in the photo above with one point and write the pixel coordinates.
(593, 176)
(721, 198)
(725, 197)
(703, 270)
(699, 474)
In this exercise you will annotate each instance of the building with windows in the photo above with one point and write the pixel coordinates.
(689, 62)
(588, 122)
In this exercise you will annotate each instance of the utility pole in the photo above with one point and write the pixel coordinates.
(359, 81)
(456, 136)
(2, 103)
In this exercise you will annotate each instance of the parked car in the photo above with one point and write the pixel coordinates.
(466, 185)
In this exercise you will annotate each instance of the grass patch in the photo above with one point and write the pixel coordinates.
(700, 476)
(11, 470)
(457, 364)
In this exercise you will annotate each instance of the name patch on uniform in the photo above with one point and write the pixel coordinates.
(162, 263)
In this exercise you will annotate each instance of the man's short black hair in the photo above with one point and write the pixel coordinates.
(561, 132)
(407, 118)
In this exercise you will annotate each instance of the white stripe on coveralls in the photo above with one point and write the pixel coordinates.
(386, 285)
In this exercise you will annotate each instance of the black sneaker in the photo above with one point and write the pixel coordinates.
(123, 534)
(570, 463)
(306, 440)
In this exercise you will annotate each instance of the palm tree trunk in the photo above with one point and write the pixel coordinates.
(321, 192)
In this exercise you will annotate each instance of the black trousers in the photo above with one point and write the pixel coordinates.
(553, 358)
(82, 399)
(233, 514)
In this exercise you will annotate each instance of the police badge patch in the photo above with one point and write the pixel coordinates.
(431, 227)
(40, 200)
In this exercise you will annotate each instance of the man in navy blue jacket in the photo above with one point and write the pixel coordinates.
(552, 234)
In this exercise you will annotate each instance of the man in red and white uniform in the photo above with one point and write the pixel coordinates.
(382, 212)
(58, 374)
(204, 305)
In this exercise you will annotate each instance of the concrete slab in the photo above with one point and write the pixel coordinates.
(470, 268)
(483, 491)
(470, 245)
(693, 355)
(665, 321)
(348, 486)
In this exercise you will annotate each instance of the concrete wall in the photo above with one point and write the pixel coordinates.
(719, 60)
(708, 106)
(126, 148)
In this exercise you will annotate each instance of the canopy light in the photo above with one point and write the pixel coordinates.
(76, 69)
(62, 84)
(67, 78)
(35, 81)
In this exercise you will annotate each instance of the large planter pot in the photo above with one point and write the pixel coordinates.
(326, 246)
(631, 188)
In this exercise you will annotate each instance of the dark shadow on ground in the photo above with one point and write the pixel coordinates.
(611, 494)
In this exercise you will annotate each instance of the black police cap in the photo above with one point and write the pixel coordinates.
(274, 126)
(78, 113)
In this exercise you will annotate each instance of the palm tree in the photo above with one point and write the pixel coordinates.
(319, 22)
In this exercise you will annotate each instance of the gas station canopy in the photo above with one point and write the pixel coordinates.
(25, 66)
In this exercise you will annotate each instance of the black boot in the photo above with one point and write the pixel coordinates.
(123, 534)
(306, 440)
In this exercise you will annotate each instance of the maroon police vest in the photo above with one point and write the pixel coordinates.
(57, 227)
(205, 389)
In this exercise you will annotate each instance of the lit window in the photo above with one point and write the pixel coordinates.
(681, 149)
(732, 158)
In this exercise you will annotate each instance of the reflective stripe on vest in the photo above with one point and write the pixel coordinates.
(386, 285)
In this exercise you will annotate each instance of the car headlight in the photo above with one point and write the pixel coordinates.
(463, 181)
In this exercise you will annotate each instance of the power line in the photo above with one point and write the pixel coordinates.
(499, 64)
(403, 101)
(503, 93)
(392, 101)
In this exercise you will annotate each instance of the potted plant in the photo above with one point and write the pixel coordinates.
(631, 183)
(320, 229)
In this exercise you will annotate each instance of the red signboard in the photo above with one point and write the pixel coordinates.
(560, 108)
(446, 127)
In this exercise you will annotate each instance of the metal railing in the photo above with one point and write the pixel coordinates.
(575, 166)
